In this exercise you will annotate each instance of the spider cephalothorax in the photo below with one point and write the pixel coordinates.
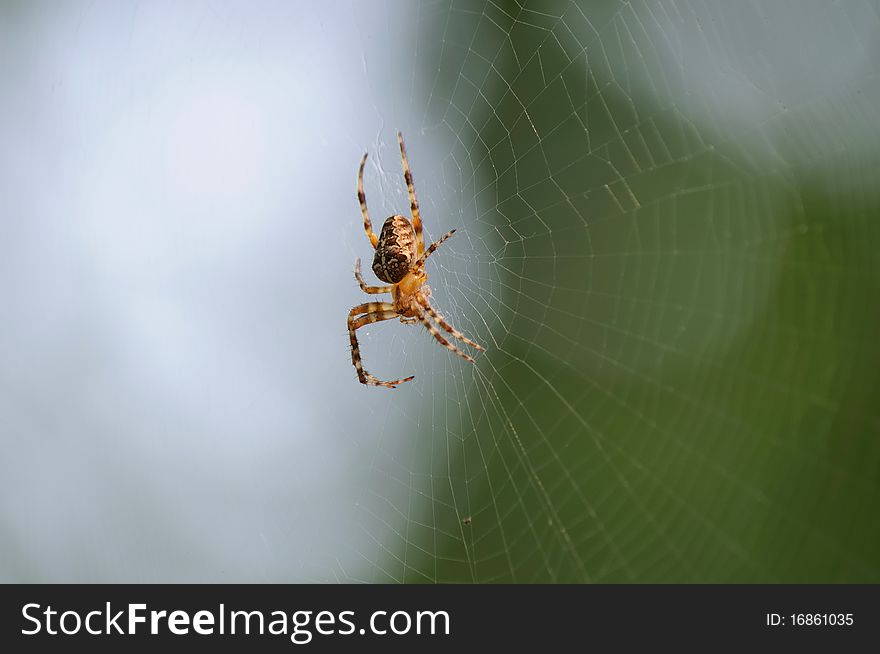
(400, 261)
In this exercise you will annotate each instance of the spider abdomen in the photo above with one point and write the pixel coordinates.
(396, 250)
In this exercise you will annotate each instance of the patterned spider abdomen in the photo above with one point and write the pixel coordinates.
(396, 250)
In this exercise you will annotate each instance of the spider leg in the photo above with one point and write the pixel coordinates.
(374, 316)
(436, 244)
(437, 335)
(368, 226)
(372, 290)
(373, 312)
(431, 311)
(413, 203)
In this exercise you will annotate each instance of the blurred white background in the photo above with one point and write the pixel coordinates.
(178, 231)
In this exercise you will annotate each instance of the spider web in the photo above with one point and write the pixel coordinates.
(668, 226)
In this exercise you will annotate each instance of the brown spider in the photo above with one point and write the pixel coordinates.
(400, 261)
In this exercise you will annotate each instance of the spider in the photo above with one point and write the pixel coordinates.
(400, 261)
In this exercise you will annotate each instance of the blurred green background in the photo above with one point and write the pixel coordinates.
(681, 205)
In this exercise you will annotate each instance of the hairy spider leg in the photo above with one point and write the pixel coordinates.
(437, 335)
(436, 244)
(368, 226)
(431, 311)
(373, 312)
(372, 290)
(413, 203)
